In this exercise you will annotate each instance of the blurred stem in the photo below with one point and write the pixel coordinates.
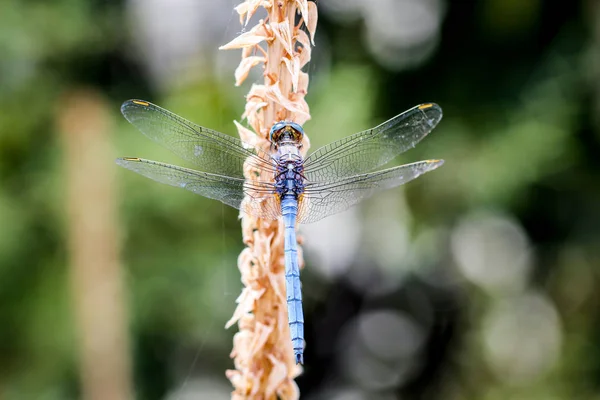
(96, 280)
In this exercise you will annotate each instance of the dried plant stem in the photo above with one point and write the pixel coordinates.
(265, 367)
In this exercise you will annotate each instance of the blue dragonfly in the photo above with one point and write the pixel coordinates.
(286, 185)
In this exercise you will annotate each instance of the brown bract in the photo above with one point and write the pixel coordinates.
(263, 358)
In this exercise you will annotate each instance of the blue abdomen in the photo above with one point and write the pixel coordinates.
(289, 211)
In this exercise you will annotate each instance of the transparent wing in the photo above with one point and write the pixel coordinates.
(261, 200)
(321, 200)
(211, 151)
(370, 149)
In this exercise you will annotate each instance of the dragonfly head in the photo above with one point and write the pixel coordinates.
(286, 132)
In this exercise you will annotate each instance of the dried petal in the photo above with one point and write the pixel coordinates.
(248, 137)
(247, 235)
(313, 17)
(302, 117)
(303, 6)
(255, 101)
(242, 71)
(278, 285)
(288, 390)
(245, 303)
(276, 377)
(252, 107)
(302, 83)
(241, 9)
(248, 51)
(293, 67)
(242, 343)
(261, 335)
(305, 50)
(247, 8)
(246, 258)
(255, 121)
(247, 322)
(283, 33)
(274, 94)
(256, 91)
(247, 39)
(234, 376)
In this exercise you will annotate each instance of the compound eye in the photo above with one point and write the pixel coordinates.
(298, 132)
(274, 134)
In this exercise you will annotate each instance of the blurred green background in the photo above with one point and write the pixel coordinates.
(477, 281)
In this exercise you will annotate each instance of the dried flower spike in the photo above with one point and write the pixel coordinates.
(265, 367)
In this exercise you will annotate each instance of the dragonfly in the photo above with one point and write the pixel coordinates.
(281, 183)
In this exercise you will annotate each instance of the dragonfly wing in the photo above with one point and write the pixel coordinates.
(211, 151)
(370, 149)
(321, 199)
(256, 199)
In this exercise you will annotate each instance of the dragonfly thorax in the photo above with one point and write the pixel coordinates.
(289, 178)
(289, 175)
